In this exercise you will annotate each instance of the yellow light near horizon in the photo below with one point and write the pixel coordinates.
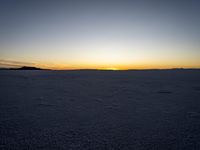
(112, 68)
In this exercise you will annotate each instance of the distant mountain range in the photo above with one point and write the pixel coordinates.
(29, 68)
(23, 68)
(35, 68)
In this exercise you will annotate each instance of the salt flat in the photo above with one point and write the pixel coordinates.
(97, 110)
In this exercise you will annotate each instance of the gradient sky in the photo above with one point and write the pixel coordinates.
(77, 34)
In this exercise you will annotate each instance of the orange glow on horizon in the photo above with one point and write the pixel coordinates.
(115, 67)
(101, 65)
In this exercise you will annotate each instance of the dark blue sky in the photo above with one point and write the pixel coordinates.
(100, 34)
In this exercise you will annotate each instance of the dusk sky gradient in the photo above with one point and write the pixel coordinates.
(77, 34)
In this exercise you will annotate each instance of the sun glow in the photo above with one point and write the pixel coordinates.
(112, 68)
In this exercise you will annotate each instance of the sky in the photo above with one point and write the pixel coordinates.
(94, 34)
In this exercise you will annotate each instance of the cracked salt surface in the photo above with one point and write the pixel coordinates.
(81, 110)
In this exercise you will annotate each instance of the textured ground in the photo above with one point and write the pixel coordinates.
(100, 110)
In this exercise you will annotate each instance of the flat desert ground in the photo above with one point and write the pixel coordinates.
(100, 110)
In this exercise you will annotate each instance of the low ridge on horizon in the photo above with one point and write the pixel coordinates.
(106, 69)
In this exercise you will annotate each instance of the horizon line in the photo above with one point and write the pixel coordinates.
(96, 69)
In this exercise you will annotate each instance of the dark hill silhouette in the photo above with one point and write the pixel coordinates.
(28, 68)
